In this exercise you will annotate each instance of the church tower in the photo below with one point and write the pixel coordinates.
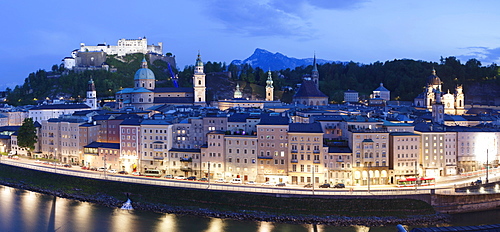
(91, 99)
(269, 87)
(237, 93)
(315, 73)
(199, 82)
(433, 85)
(459, 100)
(438, 109)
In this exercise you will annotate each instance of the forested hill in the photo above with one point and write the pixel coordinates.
(404, 78)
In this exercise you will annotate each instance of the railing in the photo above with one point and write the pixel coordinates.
(287, 190)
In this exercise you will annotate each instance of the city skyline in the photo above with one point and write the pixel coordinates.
(40, 34)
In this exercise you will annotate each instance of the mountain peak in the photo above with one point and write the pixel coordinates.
(267, 60)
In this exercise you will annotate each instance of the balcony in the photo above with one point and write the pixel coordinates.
(158, 149)
(294, 161)
(316, 161)
(316, 151)
(186, 169)
(185, 159)
(340, 160)
(294, 151)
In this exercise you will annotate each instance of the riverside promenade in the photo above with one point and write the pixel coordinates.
(443, 199)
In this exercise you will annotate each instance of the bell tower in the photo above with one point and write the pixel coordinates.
(269, 87)
(91, 99)
(199, 82)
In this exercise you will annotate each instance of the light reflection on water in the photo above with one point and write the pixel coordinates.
(29, 211)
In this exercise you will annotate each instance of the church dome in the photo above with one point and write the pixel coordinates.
(144, 73)
(433, 79)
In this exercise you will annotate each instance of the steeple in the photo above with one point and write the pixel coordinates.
(199, 64)
(269, 87)
(199, 82)
(91, 99)
(315, 73)
(237, 93)
(144, 63)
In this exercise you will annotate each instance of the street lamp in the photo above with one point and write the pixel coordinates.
(55, 161)
(208, 177)
(487, 166)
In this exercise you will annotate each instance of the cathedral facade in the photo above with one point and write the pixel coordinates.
(453, 103)
(145, 94)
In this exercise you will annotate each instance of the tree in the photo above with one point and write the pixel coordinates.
(26, 135)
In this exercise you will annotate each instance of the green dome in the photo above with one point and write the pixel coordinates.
(144, 73)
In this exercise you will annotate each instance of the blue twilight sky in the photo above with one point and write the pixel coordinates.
(37, 34)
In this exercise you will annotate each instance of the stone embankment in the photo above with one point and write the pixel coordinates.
(333, 220)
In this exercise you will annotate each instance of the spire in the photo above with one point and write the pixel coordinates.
(144, 62)
(315, 67)
(237, 93)
(198, 60)
(91, 85)
(269, 81)
(433, 71)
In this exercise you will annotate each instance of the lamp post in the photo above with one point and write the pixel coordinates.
(55, 161)
(487, 166)
(208, 177)
(368, 170)
(105, 169)
(312, 179)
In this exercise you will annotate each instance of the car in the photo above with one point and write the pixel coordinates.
(250, 183)
(169, 176)
(326, 185)
(101, 169)
(15, 157)
(339, 185)
(280, 184)
(180, 177)
(93, 169)
(236, 181)
(308, 186)
(85, 167)
(67, 165)
(112, 171)
(203, 179)
(220, 180)
(123, 172)
(191, 178)
(136, 173)
(38, 161)
(267, 184)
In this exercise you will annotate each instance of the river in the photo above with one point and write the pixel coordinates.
(22, 210)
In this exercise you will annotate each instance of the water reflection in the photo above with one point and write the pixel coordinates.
(28, 211)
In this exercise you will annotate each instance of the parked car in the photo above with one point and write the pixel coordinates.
(267, 184)
(38, 161)
(85, 167)
(169, 176)
(123, 172)
(236, 181)
(308, 186)
(112, 171)
(250, 183)
(326, 185)
(67, 165)
(191, 178)
(203, 179)
(136, 173)
(93, 169)
(101, 169)
(180, 177)
(220, 180)
(280, 184)
(339, 185)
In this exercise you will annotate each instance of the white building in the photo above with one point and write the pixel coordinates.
(46, 112)
(124, 47)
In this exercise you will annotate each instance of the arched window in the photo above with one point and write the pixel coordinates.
(199, 82)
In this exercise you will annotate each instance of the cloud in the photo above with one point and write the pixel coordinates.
(255, 18)
(283, 18)
(484, 54)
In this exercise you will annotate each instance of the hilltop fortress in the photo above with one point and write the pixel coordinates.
(94, 57)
